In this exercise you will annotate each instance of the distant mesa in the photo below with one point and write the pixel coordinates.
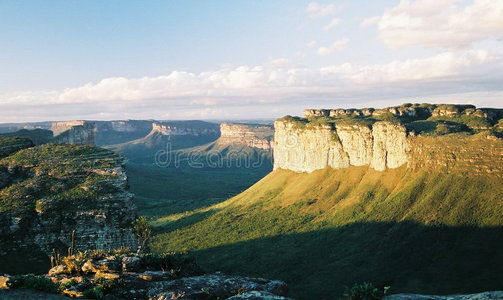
(70, 132)
(182, 128)
(73, 132)
(251, 135)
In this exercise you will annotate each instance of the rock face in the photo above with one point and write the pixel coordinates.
(73, 132)
(255, 136)
(384, 145)
(479, 296)
(416, 135)
(48, 191)
(182, 128)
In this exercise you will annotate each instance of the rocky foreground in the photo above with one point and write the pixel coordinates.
(116, 275)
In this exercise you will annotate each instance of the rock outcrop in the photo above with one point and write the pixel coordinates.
(313, 147)
(251, 135)
(51, 190)
(167, 276)
(413, 111)
(479, 296)
(73, 132)
(391, 138)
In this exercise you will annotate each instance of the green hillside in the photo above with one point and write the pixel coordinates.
(418, 231)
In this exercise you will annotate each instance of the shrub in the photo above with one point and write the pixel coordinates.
(94, 293)
(142, 230)
(32, 282)
(364, 291)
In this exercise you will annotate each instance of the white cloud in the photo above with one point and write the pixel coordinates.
(300, 54)
(439, 24)
(279, 84)
(316, 10)
(332, 24)
(336, 46)
(311, 44)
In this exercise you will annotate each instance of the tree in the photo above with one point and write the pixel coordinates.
(142, 230)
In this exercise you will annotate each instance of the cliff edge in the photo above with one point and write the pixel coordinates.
(48, 191)
(416, 135)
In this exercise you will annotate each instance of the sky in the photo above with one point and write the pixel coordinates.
(115, 59)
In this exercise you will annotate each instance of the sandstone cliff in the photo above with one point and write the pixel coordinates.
(255, 136)
(419, 135)
(73, 132)
(48, 191)
(194, 128)
(314, 147)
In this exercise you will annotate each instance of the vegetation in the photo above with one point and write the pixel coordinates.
(165, 191)
(364, 291)
(32, 282)
(142, 230)
(298, 122)
(37, 136)
(12, 145)
(470, 121)
(48, 176)
(416, 231)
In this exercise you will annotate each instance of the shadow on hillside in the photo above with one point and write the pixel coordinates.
(183, 222)
(409, 257)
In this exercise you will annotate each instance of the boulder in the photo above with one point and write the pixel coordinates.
(213, 285)
(257, 295)
(480, 296)
(131, 264)
(104, 265)
(58, 270)
(4, 282)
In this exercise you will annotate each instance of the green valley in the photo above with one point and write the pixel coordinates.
(416, 231)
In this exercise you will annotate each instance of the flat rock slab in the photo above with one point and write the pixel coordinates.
(214, 286)
(497, 295)
(28, 295)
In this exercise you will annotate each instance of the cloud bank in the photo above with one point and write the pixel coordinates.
(235, 92)
(439, 24)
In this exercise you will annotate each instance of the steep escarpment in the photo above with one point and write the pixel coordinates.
(48, 191)
(387, 138)
(316, 146)
(73, 132)
(251, 135)
(194, 128)
(120, 131)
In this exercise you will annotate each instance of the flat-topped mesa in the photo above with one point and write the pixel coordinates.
(73, 132)
(255, 136)
(181, 128)
(391, 137)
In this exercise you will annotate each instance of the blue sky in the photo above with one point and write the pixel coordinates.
(243, 59)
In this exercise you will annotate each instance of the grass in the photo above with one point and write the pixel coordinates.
(65, 174)
(416, 231)
(470, 121)
(164, 191)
